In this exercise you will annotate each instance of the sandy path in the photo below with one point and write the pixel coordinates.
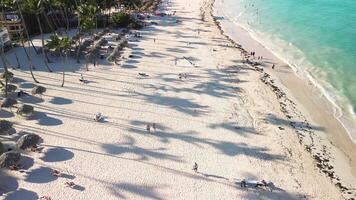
(221, 117)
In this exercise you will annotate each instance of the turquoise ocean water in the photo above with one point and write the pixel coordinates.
(318, 36)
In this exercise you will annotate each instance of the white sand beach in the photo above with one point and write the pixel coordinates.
(221, 114)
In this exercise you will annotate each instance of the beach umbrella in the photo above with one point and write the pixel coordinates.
(28, 141)
(10, 159)
(5, 126)
(38, 90)
(25, 110)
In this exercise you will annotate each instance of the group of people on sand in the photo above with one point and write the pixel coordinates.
(247, 58)
(247, 183)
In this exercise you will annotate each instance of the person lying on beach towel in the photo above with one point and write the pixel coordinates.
(70, 184)
(142, 74)
(256, 184)
(21, 93)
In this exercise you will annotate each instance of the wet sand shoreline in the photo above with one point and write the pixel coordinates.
(315, 108)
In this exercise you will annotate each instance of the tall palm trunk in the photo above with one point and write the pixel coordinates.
(65, 61)
(44, 54)
(31, 66)
(33, 46)
(78, 50)
(5, 69)
(105, 18)
(78, 28)
(18, 61)
(49, 23)
(67, 19)
(54, 17)
(64, 18)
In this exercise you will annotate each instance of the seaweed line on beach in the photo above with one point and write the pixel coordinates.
(305, 132)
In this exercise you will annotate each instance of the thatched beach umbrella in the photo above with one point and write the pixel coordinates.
(38, 90)
(28, 141)
(8, 103)
(5, 126)
(10, 159)
(25, 110)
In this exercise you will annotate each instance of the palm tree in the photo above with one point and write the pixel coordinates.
(28, 55)
(6, 72)
(13, 5)
(65, 44)
(86, 22)
(61, 46)
(35, 7)
(61, 4)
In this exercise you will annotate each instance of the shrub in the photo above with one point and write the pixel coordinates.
(136, 25)
(121, 19)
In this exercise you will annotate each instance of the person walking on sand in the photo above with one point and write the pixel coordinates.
(195, 167)
(273, 66)
(154, 40)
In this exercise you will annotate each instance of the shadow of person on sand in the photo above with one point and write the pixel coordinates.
(213, 176)
(78, 187)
